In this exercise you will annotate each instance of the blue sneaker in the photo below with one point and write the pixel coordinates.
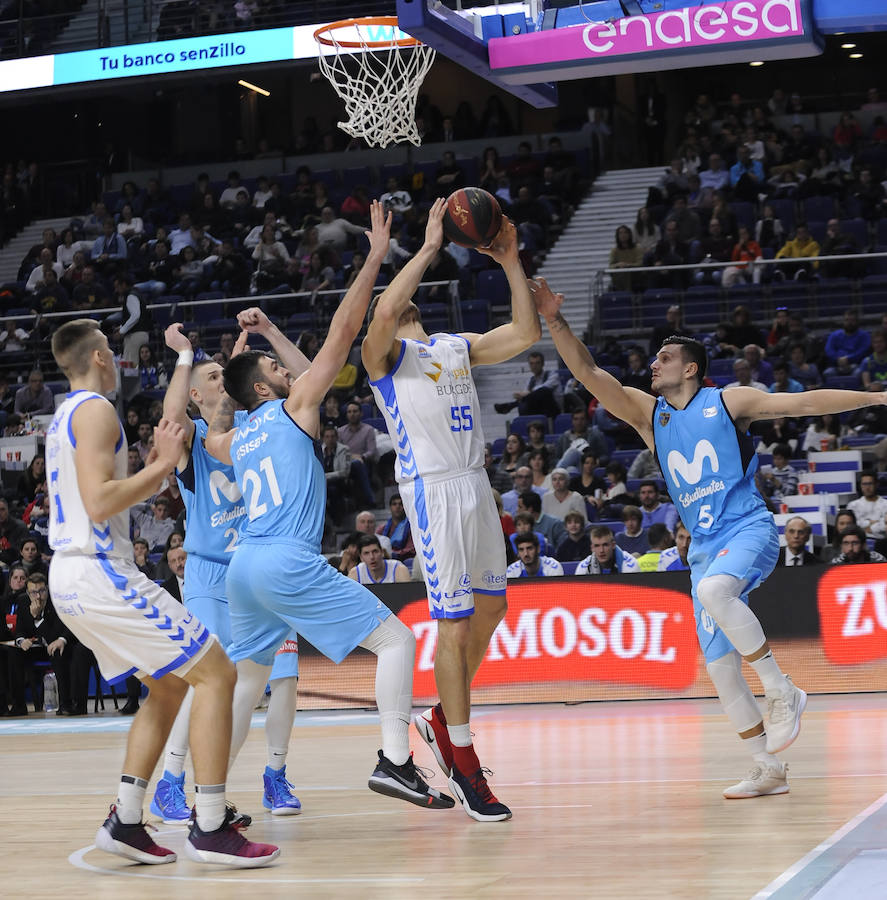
(279, 797)
(169, 800)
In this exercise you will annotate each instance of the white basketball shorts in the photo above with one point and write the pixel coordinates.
(458, 539)
(133, 626)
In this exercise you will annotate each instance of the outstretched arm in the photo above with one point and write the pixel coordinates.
(394, 300)
(175, 400)
(523, 330)
(221, 431)
(310, 388)
(747, 404)
(254, 321)
(629, 404)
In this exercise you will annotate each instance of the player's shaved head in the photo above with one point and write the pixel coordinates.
(73, 344)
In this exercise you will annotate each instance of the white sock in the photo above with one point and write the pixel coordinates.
(395, 649)
(210, 803)
(758, 747)
(130, 799)
(772, 677)
(279, 720)
(251, 681)
(460, 735)
(177, 742)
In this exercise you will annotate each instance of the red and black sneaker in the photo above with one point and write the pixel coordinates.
(131, 841)
(475, 795)
(226, 846)
(432, 726)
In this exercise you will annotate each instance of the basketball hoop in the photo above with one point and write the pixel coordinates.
(377, 70)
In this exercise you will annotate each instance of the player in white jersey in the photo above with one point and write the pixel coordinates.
(202, 386)
(373, 568)
(425, 389)
(133, 626)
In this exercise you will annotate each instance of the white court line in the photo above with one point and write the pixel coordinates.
(829, 842)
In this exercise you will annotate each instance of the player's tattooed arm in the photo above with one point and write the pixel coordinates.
(747, 404)
(254, 321)
(221, 430)
(629, 404)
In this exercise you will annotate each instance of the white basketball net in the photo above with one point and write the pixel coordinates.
(379, 84)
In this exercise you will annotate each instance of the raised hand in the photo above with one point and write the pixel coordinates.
(254, 321)
(504, 246)
(434, 228)
(175, 339)
(380, 230)
(240, 345)
(547, 302)
(169, 441)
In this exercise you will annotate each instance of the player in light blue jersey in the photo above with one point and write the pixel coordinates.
(424, 386)
(700, 437)
(278, 580)
(215, 513)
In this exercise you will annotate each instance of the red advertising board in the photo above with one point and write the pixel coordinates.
(853, 613)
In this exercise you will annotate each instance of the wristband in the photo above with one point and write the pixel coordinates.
(186, 358)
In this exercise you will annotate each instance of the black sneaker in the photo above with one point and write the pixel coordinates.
(405, 782)
(476, 797)
(503, 407)
(131, 841)
(226, 846)
(233, 818)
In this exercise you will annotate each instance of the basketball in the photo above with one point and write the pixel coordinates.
(473, 217)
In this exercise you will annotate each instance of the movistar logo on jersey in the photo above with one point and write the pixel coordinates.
(220, 486)
(691, 472)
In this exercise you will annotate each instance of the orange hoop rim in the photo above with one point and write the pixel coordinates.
(320, 34)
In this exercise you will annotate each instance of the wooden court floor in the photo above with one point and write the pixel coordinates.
(610, 800)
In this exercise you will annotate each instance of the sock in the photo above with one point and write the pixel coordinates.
(279, 720)
(130, 799)
(251, 681)
(769, 672)
(460, 735)
(757, 745)
(177, 742)
(465, 759)
(210, 804)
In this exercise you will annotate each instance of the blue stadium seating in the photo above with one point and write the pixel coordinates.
(616, 310)
(520, 424)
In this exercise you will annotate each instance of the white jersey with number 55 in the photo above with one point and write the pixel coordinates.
(431, 408)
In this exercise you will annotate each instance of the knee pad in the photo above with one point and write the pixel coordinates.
(716, 591)
(390, 633)
(735, 695)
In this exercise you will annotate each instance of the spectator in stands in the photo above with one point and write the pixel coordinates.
(800, 370)
(615, 474)
(742, 330)
(13, 532)
(50, 297)
(46, 264)
(152, 522)
(845, 348)
(761, 370)
(780, 479)
(531, 217)
(673, 325)
(825, 177)
(64, 254)
(660, 539)
(491, 170)
(550, 527)
(674, 559)
(873, 369)
(336, 466)
(782, 383)
(333, 232)
(188, 273)
(744, 254)
(576, 545)
(561, 499)
(625, 255)
(395, 198)
(586, 483)
(742, 373)
(869, 508)
(777, 431)
(228, 197)
(129, 226)
(151, 373)
(511, 455)
(582, 436)
(646, 232)
(525, 523)
(320, 276)
(499, 480)
(449, 175)
(802, 246)
(653, 509)
(32, 481)
(175, 584)
(839, 243)
(797, 533)
(530, 563)
(230, 271)
(674, 181)
(136, 322)
(746, 176)
(373, 567)
(633, 537)
(109, 249)
(159, 272)
(779, 331)
(35, 398)
(29, 557)
(13, 337)
(689, 228)
(543, 393)
(365, 523)
(869, 194)
(769, 230)
(349, 556)
(606, 557)
(670, 251)
(644, 465)
(844, 519)
(537, 461)
(524, 169)
(854, 550)
(823, 433)
(715, 248)
(140, 552)
(397, 529)
(716, 177)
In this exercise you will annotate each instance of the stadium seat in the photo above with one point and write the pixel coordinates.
(818, 208)
(493, 284)
(616, 311)
(562, 422)
(570, 567)
(520, 424)
(475, 315)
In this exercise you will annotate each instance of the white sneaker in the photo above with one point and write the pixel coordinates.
(784, 709)
(760, 781)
